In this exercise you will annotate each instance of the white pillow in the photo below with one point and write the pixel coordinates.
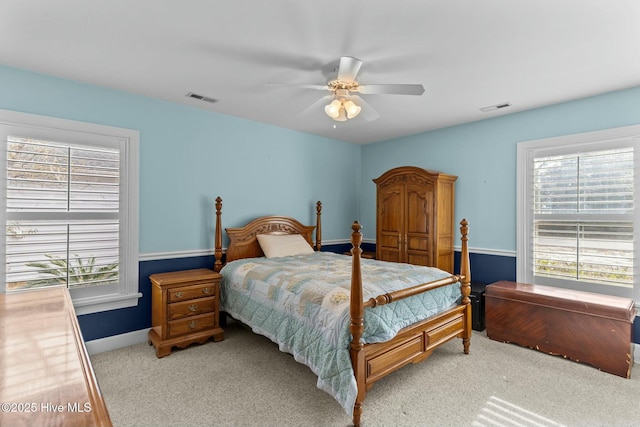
(279, 245)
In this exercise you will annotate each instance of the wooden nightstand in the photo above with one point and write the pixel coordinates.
(185, 309)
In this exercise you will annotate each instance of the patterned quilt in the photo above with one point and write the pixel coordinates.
(302, 304)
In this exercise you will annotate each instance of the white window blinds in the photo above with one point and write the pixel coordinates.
(583, 226)
(62, 211)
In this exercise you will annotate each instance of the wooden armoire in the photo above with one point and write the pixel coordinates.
(415, 217)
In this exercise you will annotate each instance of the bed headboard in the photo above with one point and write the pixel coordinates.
(243, 242)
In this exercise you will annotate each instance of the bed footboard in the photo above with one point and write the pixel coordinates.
(414, 343)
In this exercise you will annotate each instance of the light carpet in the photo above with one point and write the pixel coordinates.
(246, 381)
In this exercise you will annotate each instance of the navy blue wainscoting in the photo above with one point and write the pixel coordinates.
(489, 268)
(346, 247)
(484, 269)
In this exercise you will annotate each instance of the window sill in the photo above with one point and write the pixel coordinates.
(105, 303)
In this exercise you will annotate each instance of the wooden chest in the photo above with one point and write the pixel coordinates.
(185, 309)
(582, 326)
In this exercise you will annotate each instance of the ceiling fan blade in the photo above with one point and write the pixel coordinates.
(392, 89)
(302, 86)
(315, 105)
(348, 68)
(367, 112)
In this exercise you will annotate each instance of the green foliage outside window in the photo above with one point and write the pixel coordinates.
(78, 273)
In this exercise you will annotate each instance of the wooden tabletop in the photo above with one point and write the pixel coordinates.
(46, 377)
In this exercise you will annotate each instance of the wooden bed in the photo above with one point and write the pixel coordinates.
(371, 362)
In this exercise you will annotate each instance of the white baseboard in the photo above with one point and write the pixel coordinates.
(116, 341)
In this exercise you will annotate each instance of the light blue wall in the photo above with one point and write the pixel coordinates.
(188, 156)
(483, 156)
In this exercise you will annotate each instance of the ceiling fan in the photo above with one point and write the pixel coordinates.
(344, 103)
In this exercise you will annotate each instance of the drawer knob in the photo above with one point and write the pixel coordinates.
(193, 307)
(206, 291)
(178, 294)
(193, 324)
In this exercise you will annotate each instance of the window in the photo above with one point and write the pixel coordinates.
(71, 209)
(576, 204)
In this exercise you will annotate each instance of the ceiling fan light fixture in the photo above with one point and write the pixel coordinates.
(342, 116)
(333, 109)
(351, 108)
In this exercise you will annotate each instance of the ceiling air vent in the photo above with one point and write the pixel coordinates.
(495, 107)
(202, 97)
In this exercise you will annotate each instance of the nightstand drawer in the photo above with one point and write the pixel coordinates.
(206, 289)
(191, 324)
(193, 307)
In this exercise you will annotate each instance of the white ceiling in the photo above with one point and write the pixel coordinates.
(468, 54)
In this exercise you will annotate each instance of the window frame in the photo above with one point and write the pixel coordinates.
(126, 293)
(568, 144)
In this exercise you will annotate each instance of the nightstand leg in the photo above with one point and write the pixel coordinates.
(218, 336)
(162, 351)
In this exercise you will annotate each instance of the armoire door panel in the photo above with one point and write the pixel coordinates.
(385, 255)
(418, 242)
(419, 258)
(390, 210)
(419, 209)
(389, 240)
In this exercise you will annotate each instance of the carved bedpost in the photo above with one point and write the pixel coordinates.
(357, 322)
(465, 270)
(217, 265)
(318, 226)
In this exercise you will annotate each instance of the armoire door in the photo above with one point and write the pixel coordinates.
(390, 223)
(418, 222)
